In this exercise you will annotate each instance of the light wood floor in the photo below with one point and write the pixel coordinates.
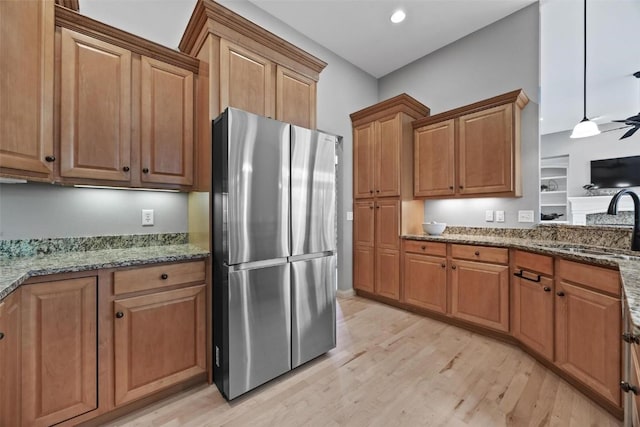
(393, 368)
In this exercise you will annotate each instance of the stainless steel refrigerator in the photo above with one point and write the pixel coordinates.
(274, 243)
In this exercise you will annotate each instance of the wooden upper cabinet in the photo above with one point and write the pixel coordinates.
(363, 160)
(95, 109)
(26, 89)
(472, 151)
(434, 160)
(387, 159)
(486, 151)
(246, 80)
(295, 98)
(59, 350)
(166, 123)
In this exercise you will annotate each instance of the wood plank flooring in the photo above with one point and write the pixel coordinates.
(394, 368)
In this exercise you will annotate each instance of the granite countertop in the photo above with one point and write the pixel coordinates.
(15, 271)
(627, 262)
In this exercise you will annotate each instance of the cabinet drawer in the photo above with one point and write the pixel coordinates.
(534, 262)
(422, 247)
(598, 278)
(141, 279)
(480, 253)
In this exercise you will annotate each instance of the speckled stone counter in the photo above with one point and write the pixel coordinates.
(15, 271)
(611, 256)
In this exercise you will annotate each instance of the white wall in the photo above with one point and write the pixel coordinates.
(582, 151)
(496, 59)
(46, 211)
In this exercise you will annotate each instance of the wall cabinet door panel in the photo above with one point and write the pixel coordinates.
(363, 160)
(166, 123)
(434, 160)
(95, 109)
(26, 87)
(171, 324)
(59, 350)
(533, 313)
(295, 98)
(387, 158)
(425, 282)
(588, 345)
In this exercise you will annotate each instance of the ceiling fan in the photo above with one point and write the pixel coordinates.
(633, 121)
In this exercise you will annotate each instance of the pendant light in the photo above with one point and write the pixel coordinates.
(586, 127)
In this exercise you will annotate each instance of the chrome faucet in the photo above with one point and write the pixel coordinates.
(613, 210)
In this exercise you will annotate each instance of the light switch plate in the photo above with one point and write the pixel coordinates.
(147, 217)
(499, 216)
(349, 216)
(525, 216)
(488, 216)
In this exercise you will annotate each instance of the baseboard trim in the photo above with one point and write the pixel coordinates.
(346, 294)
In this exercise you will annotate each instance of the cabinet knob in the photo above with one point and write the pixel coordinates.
(125, 168)
(145, 170)
(546, 289)
(1, 335)
(423, 247)
(377, 207)
(451, 187)
(119, 315)
(453, 267)
(50, 159)
(443, 265)
(164, 276)
(477, 253)
(560, 293)
(461, 187)
(377, 191)
(626, 387)
(370, 191)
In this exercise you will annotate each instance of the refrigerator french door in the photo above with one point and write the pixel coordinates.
(273, 227)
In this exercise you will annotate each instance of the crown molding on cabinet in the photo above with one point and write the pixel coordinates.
(210, 17)
(70, 4)
(67, 18)
(402, 103)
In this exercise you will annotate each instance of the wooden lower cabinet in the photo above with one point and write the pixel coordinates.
(532, 308)
(363, 268)
(425, 282)
(387, 280)
(159, 340)
(59, 350)
(10, 378)
(588, 344)
(480, 293)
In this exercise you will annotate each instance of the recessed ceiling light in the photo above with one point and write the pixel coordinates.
(398, 16)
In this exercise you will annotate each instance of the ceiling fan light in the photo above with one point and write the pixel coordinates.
(584, 129)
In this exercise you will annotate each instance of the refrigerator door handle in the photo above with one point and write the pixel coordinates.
(310, 256)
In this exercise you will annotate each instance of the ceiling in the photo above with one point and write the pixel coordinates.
(360, 32)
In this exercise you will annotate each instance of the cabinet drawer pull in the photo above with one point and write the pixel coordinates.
(453, 267)
(477, 253)
(560, 293)
(521, 275)
(626, 387)
(125, 168)
(423, 247)
(1, 335)
(547, 289)
(145, 170)
(119, 315)
(164, 276)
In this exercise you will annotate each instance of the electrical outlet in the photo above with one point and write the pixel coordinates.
(499, 216)
(349, 216)
(525, 216)
(147, 216)
(488, 216)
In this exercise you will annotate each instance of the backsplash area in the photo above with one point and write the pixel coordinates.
(32, 247)
(623, 218)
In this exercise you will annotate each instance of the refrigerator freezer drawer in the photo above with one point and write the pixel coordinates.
(259, 340)
(313, 330)
(313, 191)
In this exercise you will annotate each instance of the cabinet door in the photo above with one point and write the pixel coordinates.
(363, 224)
(295, 98)
(10, 372)
(169, 325)
(434, 160)
(533, 313)
(387, 273)
(363, 155)
(95, 109)
(363, 268)
(166, 123)
(480, 293)
(387, 158)
(59, 350)
(588, 345)
(26, 87)
(387, 224)
(246, 80)
(425, 282)
(486, 151)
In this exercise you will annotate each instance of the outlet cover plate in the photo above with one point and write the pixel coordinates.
(499, 216)
(488, 216)
(147, 217)
(525, 216)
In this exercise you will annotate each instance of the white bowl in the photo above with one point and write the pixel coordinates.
(434, 228)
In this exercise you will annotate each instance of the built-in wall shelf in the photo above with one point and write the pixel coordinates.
(554, 176)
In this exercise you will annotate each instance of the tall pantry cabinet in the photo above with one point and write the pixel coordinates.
(383, 203)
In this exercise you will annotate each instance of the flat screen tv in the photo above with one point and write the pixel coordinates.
(616, 173)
